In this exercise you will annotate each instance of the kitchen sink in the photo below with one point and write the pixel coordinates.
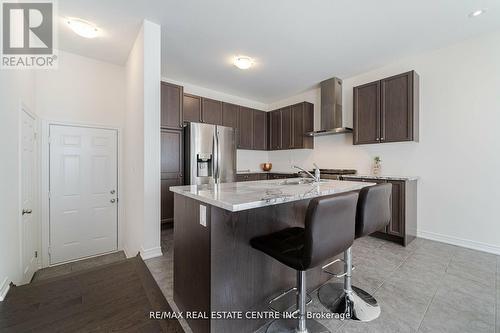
(299, 181)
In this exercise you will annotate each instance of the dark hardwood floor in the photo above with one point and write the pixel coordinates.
(113, 298)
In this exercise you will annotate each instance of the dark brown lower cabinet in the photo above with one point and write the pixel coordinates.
(403, 226)
(167, 199)
(172, 159)
(243, 177)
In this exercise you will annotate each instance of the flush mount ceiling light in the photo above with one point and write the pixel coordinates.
(477, 13)
(243, 62)
(82, 28)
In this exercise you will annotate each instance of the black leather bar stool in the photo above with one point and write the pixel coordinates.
(328, 231)
(372, 214)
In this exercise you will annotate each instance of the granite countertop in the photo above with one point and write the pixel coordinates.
(248, 195)
(390, 177)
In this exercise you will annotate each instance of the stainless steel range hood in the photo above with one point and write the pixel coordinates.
(331, 109)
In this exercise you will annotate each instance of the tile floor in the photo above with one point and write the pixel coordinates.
(425, 287)
(76, 266)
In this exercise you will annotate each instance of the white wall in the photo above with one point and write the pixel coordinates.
(152, 185)
(82, 90)
(134, 155)
(457, 157)
(142, 142)
(16, 86)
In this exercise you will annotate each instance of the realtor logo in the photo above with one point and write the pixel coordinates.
(28, 35)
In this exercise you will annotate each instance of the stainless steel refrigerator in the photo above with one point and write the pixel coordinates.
(210, 154)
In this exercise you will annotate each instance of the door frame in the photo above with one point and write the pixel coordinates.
(45, 183)
(23, 108)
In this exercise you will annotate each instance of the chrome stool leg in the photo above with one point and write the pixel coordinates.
(301, 324)
(354, 302)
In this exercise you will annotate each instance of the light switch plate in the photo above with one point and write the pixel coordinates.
(203, 215)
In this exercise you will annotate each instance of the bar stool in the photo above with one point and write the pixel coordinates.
(372, 214)
(305, 248)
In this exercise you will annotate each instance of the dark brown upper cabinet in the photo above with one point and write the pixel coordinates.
(211, 111)
(275, 130)
(230, 115)
(171, 106)
(245, 128)
(302, 122)
(259, 130)
(387, 110)
(399, 108)
(191, 110)
(366, 116)
(286, 127)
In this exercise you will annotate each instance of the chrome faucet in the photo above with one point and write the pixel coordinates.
(316, 177)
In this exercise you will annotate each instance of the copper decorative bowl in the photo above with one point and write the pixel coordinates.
(267, 166)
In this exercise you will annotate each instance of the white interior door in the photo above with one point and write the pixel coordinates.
(29, 223)
(83, 192)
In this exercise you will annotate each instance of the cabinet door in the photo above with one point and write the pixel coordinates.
(171, 154)
(245, 177)
(245, 126)
(259, 130)
(191, 109)
(242, 177)
(263, 176)
(308, 125)
(396, 226)
(230, 115)
(297, 125)
(211, 111)
(286, 128)
(167, 199)
(367, 113)
(397, 108)
(275, 130)
(171, 105)
(171, 170)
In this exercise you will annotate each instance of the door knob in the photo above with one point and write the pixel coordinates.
(112, 191)
(27, 211)
(112, 200)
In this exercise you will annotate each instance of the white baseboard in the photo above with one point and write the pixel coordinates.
(126, 252)
(151, 253)
(470, 244)
(4, 288)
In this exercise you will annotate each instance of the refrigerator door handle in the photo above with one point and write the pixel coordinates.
(215, 162)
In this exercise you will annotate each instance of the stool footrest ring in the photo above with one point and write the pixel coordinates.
(283, 294)
(337, 275)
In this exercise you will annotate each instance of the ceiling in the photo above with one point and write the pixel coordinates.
(296, 43)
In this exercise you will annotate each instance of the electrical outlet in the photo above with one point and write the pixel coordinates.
(203, 215)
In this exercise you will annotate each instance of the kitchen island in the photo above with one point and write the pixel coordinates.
(216, 269)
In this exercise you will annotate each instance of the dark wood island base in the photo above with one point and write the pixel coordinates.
(216, 269)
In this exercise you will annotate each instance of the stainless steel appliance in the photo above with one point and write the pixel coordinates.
(331, 109)
(210, 154)
(335, 174)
